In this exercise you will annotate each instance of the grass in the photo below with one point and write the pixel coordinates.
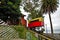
(22, 32)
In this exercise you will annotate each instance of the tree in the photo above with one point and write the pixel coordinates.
(10, 8)
(32, 7)
(49, 6)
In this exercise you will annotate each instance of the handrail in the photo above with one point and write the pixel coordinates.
(43, 36)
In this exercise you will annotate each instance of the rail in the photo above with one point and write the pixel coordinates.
(45, 37)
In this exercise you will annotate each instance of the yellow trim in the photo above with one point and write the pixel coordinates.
(40, 19)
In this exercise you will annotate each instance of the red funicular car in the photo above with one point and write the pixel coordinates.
(38, 22)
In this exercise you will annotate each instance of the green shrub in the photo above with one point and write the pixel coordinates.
(22, 32)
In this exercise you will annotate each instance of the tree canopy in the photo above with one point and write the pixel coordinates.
(33, 6)
(9, 8)
(49, 6)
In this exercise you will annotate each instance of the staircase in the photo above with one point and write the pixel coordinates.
(2, 22)
(8, 33)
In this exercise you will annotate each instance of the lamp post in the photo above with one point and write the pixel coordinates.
(46, 28)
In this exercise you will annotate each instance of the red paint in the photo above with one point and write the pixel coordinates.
(23, 21)
(35, 24)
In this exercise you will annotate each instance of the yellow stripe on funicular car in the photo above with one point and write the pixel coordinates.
(36, 19)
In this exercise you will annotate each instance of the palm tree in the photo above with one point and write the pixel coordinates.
(49, 6)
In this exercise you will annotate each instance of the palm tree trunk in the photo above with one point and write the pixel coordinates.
(51, 23)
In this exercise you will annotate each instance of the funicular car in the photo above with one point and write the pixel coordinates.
(36, 24)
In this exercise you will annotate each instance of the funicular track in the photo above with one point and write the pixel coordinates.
(44, 36)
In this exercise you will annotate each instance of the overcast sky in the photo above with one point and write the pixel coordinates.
(55, 20)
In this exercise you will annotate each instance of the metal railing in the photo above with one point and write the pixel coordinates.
(44, 37)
